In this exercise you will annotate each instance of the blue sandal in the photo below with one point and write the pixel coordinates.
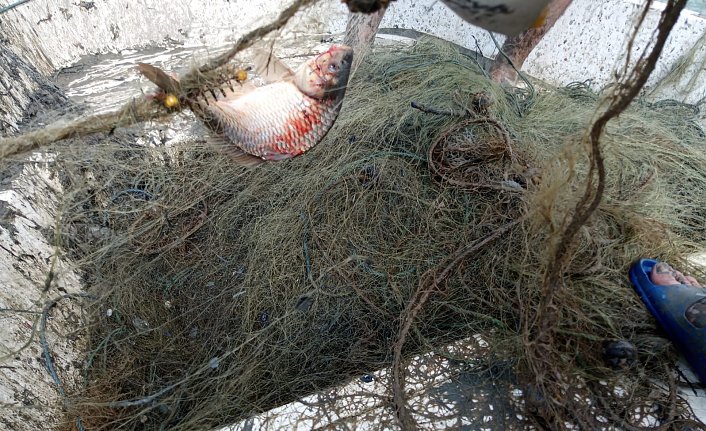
(680, 311)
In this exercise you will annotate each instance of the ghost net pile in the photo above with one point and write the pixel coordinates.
(219, 293)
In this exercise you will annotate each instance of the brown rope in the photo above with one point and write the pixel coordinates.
(469, 160)
(428, 283)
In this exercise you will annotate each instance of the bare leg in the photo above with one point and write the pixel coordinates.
(360, 33)
(362, 28)
(517, 48)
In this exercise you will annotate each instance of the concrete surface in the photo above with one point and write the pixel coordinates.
(28, 396)
(590, 40)
(587, 42)
(28, 194)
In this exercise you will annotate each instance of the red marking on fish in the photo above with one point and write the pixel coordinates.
(286, 118)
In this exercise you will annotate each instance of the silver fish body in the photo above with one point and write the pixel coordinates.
(287, 117)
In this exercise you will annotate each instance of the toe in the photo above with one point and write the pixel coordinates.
(663, 275)
(692, 281)
(681, 279)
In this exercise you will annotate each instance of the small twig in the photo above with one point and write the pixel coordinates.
(688, 382)
(477, 52)
(435, 111)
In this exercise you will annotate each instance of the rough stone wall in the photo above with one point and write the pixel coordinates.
(24, 92)
(36, 39)
(589, 40)
(587, 43)
(29, 399)
(28, 396)
(54, 34)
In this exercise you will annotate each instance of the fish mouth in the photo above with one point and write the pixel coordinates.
(338, 54)
(344, 51)
(326, 75)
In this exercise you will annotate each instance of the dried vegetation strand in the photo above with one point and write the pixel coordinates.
(232, 292)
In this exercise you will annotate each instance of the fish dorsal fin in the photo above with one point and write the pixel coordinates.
(271, 68)
(235, 154)
(227, 92)
(238, 90)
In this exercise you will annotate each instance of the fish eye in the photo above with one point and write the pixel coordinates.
(332, 67)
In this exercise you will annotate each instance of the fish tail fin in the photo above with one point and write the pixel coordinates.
(158, 77)
(170, 85)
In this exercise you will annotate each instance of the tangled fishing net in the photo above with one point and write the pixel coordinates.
(219, 293)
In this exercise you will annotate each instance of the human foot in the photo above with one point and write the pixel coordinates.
(664, 275)
(678, 303)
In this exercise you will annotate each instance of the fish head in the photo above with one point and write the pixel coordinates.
(326, 75)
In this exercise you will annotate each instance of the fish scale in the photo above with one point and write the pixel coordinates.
(275, 122)
(288, 116)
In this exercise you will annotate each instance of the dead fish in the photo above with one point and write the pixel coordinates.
(290, 114)
(282, 119)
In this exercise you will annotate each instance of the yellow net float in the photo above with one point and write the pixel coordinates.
(171, 101)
